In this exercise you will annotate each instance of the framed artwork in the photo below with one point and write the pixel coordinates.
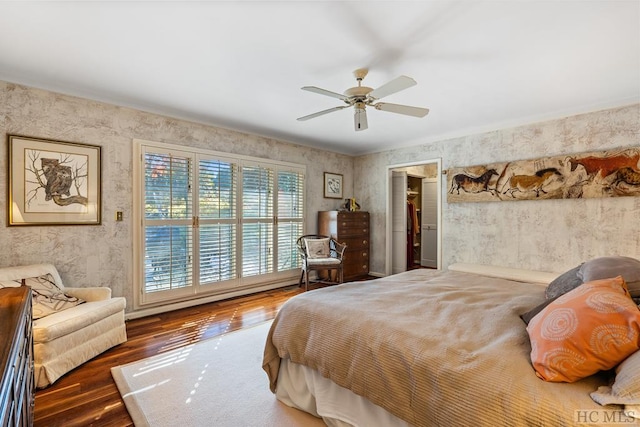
(611, 173)
(53, 182)
(332, 185)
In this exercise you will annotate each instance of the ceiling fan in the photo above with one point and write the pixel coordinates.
(362, 96)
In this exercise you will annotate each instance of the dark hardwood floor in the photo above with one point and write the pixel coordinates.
(88, 396)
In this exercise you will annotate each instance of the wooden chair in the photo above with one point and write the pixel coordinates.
(326, 255)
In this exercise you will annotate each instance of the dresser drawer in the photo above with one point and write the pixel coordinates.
(362, 253)
(353, 219)
(356, 268)
(353, 232)
(352, 223)
(356, 243)
(353, 216)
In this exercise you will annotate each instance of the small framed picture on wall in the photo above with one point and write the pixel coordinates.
(332, 185)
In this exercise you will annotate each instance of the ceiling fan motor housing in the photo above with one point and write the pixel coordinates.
(358, 92)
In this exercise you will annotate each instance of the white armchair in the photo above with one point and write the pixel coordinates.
(66, 339)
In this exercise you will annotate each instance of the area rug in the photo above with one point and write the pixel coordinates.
(218, 382)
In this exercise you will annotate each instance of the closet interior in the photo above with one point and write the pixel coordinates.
(414, 212)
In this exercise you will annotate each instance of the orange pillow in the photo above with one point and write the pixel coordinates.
(591, 328)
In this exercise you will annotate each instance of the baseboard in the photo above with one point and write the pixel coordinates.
(375, 274)
(204, 300)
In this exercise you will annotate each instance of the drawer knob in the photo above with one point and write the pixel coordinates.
(364, 242)
(364, 254)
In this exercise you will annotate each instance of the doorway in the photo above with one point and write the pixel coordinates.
(414, 216)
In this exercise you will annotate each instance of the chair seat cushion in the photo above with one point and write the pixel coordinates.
(65, 322)
(323, 261)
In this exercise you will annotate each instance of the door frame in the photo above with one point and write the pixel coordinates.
(389, 231)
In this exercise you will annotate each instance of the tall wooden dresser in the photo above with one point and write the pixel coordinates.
(17, 386)
(351, 228)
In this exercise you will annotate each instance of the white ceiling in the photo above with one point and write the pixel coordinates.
(480, 66)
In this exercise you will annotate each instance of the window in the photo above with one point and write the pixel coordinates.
(212, 223)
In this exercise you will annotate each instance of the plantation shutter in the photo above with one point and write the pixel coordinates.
(167, 222)
(290, 218)
(257, 220)
(217, 220)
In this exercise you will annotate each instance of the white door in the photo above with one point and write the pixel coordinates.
(429, 224)
(399, 222)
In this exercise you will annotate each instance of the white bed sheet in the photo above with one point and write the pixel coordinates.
(305, 389)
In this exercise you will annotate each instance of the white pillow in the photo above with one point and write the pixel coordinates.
(317, 248)
(625, 390)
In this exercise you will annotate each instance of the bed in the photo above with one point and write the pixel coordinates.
(426, 348)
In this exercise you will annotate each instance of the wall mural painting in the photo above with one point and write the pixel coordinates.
(613, 173)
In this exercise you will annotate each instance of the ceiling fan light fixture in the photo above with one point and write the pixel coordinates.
(360, 117)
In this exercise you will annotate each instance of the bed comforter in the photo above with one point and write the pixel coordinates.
(431, 347)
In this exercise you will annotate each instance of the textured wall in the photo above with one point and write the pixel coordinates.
(550, 235)
(102, 255)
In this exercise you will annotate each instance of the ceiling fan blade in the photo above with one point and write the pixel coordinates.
(321, 113)
(402, 109)
(326, 92)
(360, 119)
(395, 85)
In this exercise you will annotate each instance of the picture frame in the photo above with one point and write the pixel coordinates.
(332, 185)
(53, 182)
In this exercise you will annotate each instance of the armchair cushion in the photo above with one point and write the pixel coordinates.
(317, 248)
(65, 322)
